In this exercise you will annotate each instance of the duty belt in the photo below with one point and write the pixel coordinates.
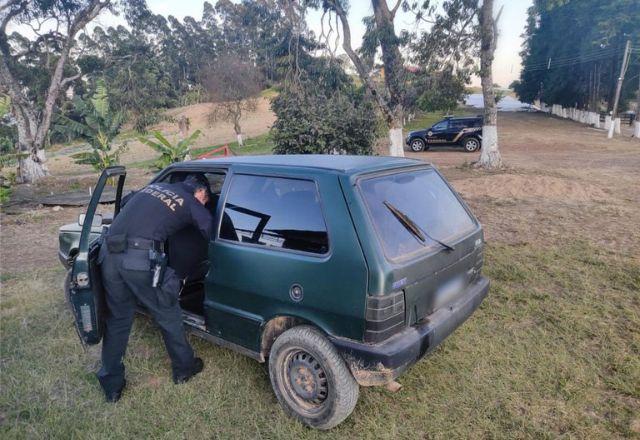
(145, 244)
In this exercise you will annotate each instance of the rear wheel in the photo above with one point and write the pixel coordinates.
(416, 145)
(471, 144)
(310, 379)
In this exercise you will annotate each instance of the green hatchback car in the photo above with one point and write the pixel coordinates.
(339, 271)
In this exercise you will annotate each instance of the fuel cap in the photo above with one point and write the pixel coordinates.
(296, 292)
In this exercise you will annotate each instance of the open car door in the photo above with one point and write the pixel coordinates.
(84, 285)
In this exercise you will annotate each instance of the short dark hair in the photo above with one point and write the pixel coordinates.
(196, 183)
(198, 186)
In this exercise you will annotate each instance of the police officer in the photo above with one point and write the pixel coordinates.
(133, 266)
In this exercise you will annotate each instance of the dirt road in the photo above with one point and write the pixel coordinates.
(562, 179)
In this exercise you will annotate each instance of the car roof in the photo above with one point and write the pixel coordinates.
(332, 162)
(455, 118)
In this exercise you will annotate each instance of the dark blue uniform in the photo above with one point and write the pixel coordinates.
(147, 219)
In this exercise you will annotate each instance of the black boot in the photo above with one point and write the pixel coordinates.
(197, 367)
(114, 396)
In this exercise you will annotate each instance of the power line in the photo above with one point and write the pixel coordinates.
(555, 63)
(552, 62)
(573, 57)
(576, 61)
(582, 54)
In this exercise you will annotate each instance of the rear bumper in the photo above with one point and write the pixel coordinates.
(379, 364)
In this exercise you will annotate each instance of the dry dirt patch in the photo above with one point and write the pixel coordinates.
(524, 187)
(216, 133)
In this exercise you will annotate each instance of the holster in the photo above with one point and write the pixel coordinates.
(158, 266)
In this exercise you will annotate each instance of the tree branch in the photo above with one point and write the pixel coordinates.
(82, 18)
(395, 9)
(10, 15)
(495, 28)
(357, 61)
(69, 79)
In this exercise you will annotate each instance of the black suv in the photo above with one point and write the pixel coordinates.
(464, 131)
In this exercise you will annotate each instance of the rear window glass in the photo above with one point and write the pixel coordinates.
(425, 199)
(275, 212)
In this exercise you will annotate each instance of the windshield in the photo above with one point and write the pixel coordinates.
(425, 199)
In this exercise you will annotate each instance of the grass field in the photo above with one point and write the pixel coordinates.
(552, 351)
(261, 144)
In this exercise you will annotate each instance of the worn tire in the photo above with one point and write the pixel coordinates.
(471, 144)
(417, 145)
(336, 382)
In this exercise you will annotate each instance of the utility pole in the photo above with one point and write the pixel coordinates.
(636, 124)
(616, 100)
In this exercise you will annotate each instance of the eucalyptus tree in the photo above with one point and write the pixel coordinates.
(35, 64)
(490, 157)
(260, 32)
(381, 33)
(141, 81)
(445, 46)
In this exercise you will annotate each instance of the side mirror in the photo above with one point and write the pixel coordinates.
(97, 220)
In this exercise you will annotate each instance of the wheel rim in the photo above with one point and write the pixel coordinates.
(416, 145)
(471, 145)
(306, 382)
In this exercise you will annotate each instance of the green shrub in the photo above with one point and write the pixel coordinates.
(194, 96)
(310, 122)
(5, 193)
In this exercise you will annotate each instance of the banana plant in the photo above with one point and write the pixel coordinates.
(99, 127)
(170, 153)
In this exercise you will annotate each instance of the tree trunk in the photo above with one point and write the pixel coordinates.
(33, 129)
(237, 128)
(490, 157)
(393, 73)
(31, 159)
(396, 140)
(636, 123)
(390, 105)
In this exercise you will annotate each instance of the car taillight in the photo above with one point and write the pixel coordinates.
(385, 316)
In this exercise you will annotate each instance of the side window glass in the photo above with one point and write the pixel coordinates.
(214, 179)
(275, 212)
(440, 126)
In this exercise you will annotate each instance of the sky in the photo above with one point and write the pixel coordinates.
(511, 25)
